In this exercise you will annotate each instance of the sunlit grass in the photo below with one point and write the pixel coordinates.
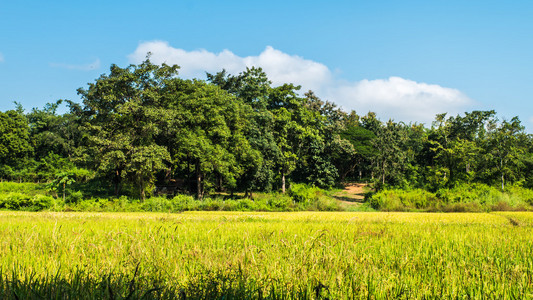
(305, 254)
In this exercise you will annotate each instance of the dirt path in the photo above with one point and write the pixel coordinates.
(352, 194)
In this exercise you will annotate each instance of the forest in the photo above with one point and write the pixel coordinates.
(142, 131)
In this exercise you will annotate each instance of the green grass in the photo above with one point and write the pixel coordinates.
(463, 198)
(24, 187)
(235, 255)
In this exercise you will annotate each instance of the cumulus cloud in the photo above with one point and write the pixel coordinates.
(280, 67)
(397, 98)
(400, 99)
(83, 67)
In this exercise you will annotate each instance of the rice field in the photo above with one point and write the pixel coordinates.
(232, 255)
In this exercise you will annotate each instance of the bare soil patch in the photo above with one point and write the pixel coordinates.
(352, 194)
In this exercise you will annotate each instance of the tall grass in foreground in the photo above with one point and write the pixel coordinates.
(266, 255)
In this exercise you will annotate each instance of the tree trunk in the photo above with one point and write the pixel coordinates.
(199, 193)
(143, 195)
(283, 183)
(383, 177)
(219, 183)
(116, 183)
(248, 194)
(503, 178)
(198, 186)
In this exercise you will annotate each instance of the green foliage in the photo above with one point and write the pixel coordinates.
(141, 129)
(20, 201)
(312, 198)
(55, 133)
(125, 114)
(363, 151)
(462, 198)
(24, 187)
(14, 137)
(390, 154)
(470, 193)
(75, 197)
(520, 193)
(303, 193)
(402, 200)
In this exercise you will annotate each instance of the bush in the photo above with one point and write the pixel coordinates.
(462, 198)
(183, 203)
(326, 204)
(462, 207)
(40, 202)
(19, 201)
(75, 197)
(402, 200)
(471, 193)
(302, 193)
(524, 195)
(157, 204)
(489, 197)
(280, 202)
(25, 187)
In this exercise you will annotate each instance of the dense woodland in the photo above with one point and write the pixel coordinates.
(142, 130)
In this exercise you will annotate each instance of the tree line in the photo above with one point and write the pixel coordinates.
(142, 127)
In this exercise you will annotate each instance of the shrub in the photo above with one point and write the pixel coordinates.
(75, 197)
(19, 201)
(280, 202)
(14, 201)
(156, 204)
(303, 193)
(40, 202)
(467, 193)
(489, 197)
(463, 207)
(522, 194)
(327, 204)
(402, 200)
(25, 187)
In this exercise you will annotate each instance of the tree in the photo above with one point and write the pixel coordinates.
(456, 144)
(207, 129)
(125, 116)
(390, 154)
(361, 139)
(253, 88)
(505, 148)
(14, 138)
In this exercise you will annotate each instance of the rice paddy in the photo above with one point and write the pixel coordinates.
(310, 255)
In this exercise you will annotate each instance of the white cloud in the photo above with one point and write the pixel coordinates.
(84, 67)
(401, 99)
(395, 97)
(280, 67)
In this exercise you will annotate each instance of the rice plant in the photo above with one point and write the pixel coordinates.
(236, 255)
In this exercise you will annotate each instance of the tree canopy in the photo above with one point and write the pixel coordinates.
(142, 127)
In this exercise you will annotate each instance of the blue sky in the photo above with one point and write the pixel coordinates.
(406, 60)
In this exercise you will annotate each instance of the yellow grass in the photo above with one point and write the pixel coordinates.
(412, 255)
